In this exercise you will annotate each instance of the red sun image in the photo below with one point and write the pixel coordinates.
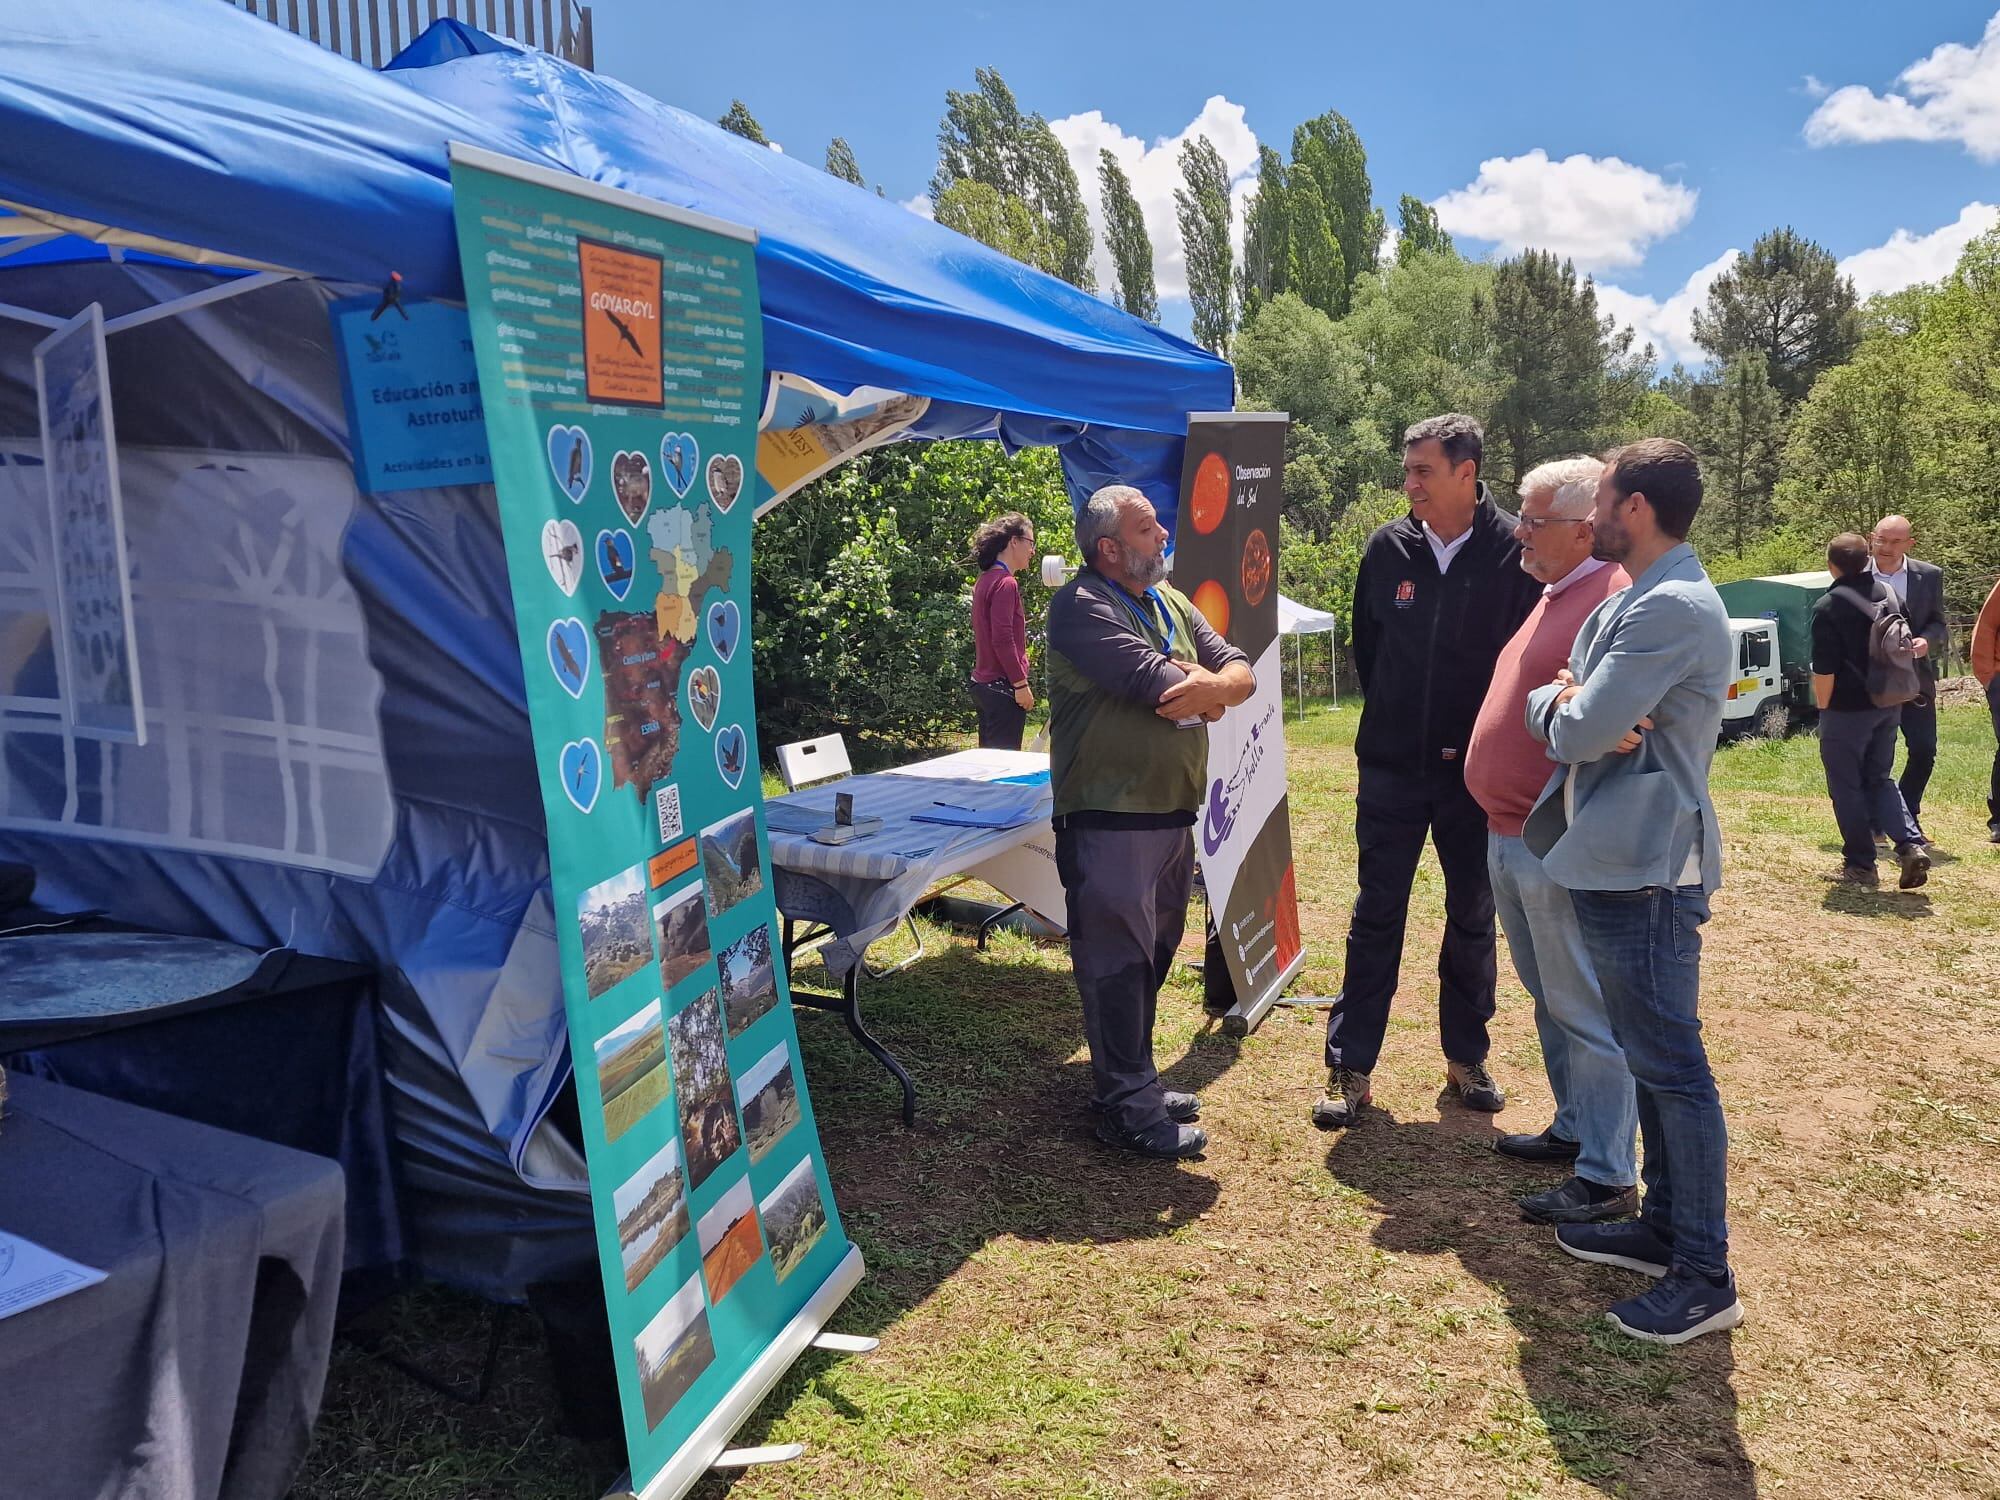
(1213, 602)
(1256, 568)
(1210, 501)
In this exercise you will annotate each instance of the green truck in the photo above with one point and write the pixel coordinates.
(1770, 632)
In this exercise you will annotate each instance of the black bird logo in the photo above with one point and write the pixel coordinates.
(732, 757)
(564, 556)
(624, 331)
(674, 461)
(617, 569)
(576, 464)
(568, 658)
(582, 765)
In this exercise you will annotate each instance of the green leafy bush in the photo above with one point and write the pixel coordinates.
(862, 590)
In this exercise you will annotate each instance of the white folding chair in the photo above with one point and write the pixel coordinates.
(809, 763)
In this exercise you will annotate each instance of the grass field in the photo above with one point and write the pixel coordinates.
(1304, 1315)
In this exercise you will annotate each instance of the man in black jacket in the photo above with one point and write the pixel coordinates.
(1438, 593)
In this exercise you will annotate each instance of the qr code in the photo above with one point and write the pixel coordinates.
(667, 803)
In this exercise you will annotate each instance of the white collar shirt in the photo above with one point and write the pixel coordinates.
(1443, 551)
(1898, 581)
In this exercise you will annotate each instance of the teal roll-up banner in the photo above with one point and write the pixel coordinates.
(619, 347)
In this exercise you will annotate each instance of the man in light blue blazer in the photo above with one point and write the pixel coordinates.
(1627, 826)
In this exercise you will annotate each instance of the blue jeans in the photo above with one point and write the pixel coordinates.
(1646, 948)
(1595, 1105)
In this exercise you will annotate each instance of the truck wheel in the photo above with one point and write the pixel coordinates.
(1774, 720)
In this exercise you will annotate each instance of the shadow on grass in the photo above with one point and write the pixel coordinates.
(1884, 901)
(1629, 1418)
(1003, 1147)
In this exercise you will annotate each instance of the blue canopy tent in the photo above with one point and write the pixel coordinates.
(342, 760)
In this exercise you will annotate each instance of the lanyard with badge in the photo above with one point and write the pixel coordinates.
(1167, 631)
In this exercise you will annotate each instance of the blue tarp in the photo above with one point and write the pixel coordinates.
(210, 132)
(223, 132)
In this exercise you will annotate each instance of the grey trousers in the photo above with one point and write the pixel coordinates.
(1128, 898)
(1858, 748)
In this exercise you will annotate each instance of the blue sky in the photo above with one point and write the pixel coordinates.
(1648, 142)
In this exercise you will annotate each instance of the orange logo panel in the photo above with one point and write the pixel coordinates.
(676, 861)
(621, 325)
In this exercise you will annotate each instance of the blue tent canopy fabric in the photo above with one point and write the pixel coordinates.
(224, 132)
(188, 130)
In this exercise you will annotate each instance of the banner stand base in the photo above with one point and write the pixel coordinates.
(1245, 1016)
(708, 1447)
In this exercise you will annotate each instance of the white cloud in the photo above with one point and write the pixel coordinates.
(921, 206)
(1155, 171)
(1814, 88)
(775, 147)
(1596, 210)
(1907, 258)
(1667, 325)
(1951, 95)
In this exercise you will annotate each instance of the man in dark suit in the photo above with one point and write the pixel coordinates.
(1919, 586)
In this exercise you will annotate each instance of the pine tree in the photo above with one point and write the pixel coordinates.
(1126, 238)
(1742, 441)
(1787, 300)
(1202, 208)
(840, 162)
(1567, 376)
(739, 121)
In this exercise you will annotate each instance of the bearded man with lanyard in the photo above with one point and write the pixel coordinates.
(1135, 677)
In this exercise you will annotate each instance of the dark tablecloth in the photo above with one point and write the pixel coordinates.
(194, 1370)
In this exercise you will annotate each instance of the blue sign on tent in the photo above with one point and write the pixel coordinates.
(414, 417)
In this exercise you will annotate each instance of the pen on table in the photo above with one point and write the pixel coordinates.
(955, 806)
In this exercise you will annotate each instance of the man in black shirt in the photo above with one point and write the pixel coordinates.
(1857, 739)
(1437, 595)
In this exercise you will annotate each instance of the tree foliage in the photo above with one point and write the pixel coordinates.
(985, 138)
(1565, 376)
(1420, 232)
(861, 589)
(1202, 207)
(1126, 238)
(840, 162)
(994, 218)
(739, 121)
(1787, 300)
(1327, 152)
(1741, 442)
(1265, 243)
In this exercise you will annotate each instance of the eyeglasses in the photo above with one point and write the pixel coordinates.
(1536, 523)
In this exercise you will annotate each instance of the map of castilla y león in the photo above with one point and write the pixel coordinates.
(642, 652)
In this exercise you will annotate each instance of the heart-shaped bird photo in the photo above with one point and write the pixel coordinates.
(562, 550)
(680, 462)
(731, 750)
(705, 695)
(614, 561)
(569, 460)
(725, 627)
(581, 767)
(632, 482)
(569, 655)
(725, 480)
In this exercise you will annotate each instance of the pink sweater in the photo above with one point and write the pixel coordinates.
(1505, 767)
(999, 628)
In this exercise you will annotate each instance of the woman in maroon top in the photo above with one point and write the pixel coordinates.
(1001, 548)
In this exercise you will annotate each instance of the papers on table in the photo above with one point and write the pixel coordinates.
(997, 807)
(977, 765)
(30, 1275)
